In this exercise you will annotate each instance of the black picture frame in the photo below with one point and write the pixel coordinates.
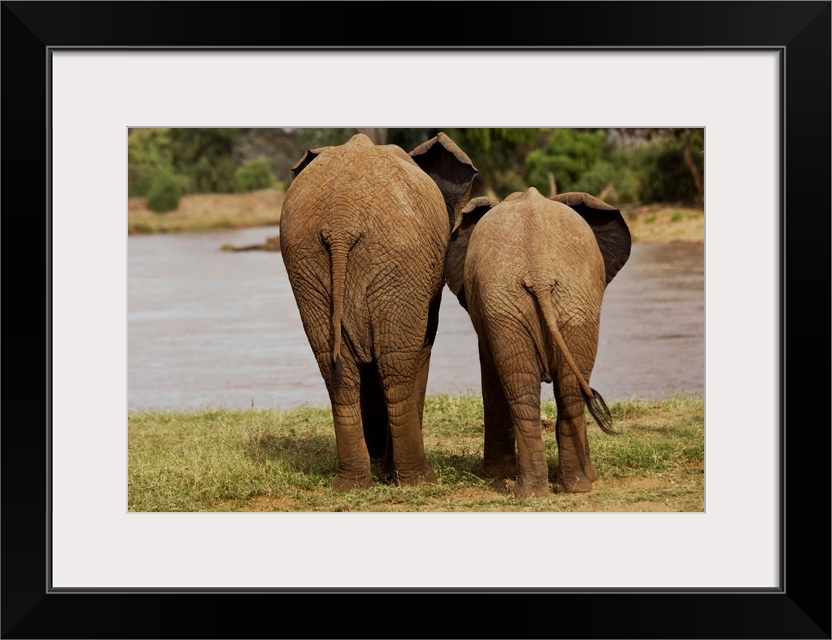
(799, 608)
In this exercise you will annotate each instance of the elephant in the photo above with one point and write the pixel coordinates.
(531, 271)
(363, 233)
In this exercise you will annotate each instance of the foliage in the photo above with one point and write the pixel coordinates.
(569, 154)
(280, 145)
(253, 175)
(165, 192)
(314, 138)
(498, 156)
(614, 178)
(409, 139)
(206, 157)
(148, 155)
(619, 165)
(662, 172)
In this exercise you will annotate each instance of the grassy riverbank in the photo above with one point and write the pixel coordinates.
(264, 460)
(205, 212)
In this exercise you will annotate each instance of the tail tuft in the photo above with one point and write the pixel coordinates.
(337, 373)
(600, 412)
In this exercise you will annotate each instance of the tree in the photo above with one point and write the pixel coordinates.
(568, 155)
(498, 154)
(148, 156)
(692, 167)
(206, 157)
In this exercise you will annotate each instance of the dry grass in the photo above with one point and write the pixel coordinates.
(665, 223)
(203, 212)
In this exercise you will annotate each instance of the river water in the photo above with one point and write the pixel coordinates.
(208, 328)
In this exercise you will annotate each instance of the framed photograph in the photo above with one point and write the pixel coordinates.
(753, 76)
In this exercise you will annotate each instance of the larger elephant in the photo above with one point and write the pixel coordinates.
(363, 233)
(532, 272)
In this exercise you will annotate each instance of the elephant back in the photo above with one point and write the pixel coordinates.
(530, 236)
(369, 191)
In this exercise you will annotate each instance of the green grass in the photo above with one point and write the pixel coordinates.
(263, 460)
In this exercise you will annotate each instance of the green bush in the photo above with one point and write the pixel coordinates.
(663, 174)
(164, 193)
(148, 155)
(212, 176)
(139, 180)
(651, 170)
(255, 174)
(205, 157)
(568, 155)
(617, 180)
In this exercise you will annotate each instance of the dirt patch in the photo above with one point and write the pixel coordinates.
(260, 503)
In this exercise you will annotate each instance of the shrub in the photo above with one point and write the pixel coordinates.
(255, 174)
(206, 157)
(148, 155)
(652, 168)
(212, 176)
(617, 181)
(662, 171)
(164, 193)
(568, 155)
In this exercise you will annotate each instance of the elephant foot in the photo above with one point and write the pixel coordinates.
(345, 483)
(591, 472)
(427, 476)
(530, 490)
(500, 468)
(574, 484)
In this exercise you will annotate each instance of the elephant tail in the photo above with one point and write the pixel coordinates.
(338, 252)
(595, 403)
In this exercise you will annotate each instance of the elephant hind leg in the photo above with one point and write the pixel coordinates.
(513, 403)
(399, 373)
(520, 379)
(523, 394)
(575, 471)
(499, 457)
(353, 458)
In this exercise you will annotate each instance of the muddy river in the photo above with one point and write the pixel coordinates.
(209, 328)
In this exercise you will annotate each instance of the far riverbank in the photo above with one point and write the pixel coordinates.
(654, 223)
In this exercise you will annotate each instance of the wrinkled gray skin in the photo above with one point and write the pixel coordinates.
(532, 272)
(363, 234)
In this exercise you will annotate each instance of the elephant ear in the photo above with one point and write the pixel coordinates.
(450, 168)
(458, 247)
(308, 157)
(608, 225)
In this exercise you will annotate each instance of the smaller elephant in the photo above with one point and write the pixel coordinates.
(531, 272)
